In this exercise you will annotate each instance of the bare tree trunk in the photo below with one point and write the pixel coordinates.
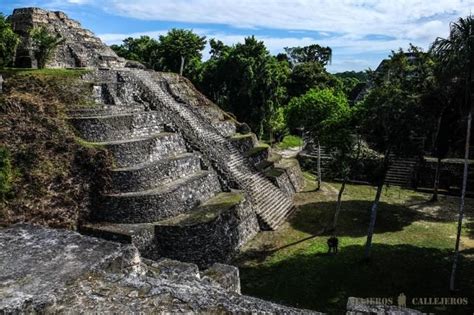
(339, 203)
(181, 68)
(373, 217)
(319, 165)
(436, 181)
(461, 206)
(373, 211)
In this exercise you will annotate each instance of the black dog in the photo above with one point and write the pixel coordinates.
(333, 243)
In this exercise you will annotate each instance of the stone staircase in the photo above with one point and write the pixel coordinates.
(180, 187)
(155, 178)
(401, 172)
(271, 204)
(140, 147)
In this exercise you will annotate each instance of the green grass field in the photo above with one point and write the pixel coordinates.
(412, 251)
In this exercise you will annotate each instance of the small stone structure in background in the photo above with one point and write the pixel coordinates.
(81, 49)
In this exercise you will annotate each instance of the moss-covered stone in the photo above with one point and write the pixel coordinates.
(257, 150)
(208, 211)
(274, 172)
(239, 136)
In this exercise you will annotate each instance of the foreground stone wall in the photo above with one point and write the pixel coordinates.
(58, 271)
(215, 232)
(80, 49)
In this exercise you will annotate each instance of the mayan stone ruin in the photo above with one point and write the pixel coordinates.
(189, 183)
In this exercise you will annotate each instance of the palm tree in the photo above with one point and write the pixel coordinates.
(44, 44)
(456, 54)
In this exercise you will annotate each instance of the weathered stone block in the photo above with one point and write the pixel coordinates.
(280, 178)
(258, 154)
(212, 233)
(164, 202)
(56, 271)
(294, 173)
(37, 264)
(127, 153)
(244, 142)
(225, 276)
(154, 174)
(118, 127)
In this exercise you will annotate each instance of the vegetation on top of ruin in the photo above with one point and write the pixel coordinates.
(47, 174)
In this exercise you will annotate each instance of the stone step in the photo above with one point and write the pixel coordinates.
(104, 110)
(117, 127)
(152, 174)
(159, 203)
(400, 170)
(128, 153)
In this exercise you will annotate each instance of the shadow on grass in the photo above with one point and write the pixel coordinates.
(324, 282)
(470, 228)
(354, 217)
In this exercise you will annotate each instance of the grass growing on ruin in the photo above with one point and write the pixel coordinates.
(47, 175)
(412, 250)
(290, 142)
(58, 73)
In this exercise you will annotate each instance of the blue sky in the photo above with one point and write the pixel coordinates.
(360, 32)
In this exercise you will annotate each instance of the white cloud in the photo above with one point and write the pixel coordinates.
(117, 38)
(388, 17)
(353, 21)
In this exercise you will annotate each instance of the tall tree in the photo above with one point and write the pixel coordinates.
(456, 54)
(339, 134)
(309, 75)
(44, 44)
(247, 81)
(392, 117)
(178, 48)
(311, 53)
(8, 42)
(143, 49)
(312, 111)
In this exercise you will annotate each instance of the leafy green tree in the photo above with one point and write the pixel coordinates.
(360, 76)
(311, 53)
(178, 48)
(247, 81)
(8, 42)
(277, 125)
(339, 134)
(392, 117)
(143, 49)
(44, 44)
(313, 111)
(456, 55)
(309, 75)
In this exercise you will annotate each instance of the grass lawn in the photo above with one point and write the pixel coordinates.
(412, 252)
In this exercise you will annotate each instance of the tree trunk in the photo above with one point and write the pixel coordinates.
(181, 68)
(319, 165)
(373, 216)
(464, 185)
(339, 203)
(373, 211)
(436, 180)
